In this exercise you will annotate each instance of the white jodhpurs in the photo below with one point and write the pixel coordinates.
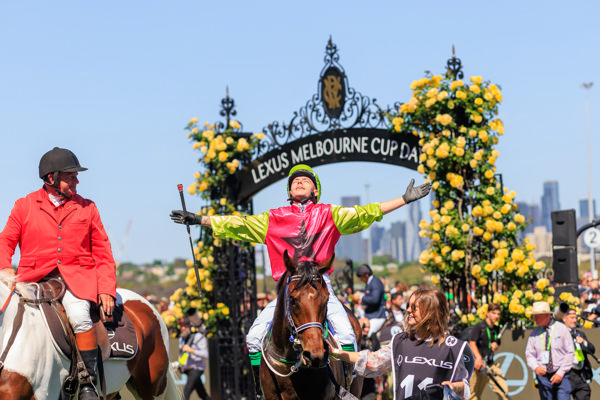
(78, 312)
(336, 316)
(375, 325)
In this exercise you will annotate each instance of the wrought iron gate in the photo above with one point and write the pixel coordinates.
(337, 116)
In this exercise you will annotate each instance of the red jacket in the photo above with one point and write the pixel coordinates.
(70, 237)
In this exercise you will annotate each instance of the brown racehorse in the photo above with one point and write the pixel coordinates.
(295, 354)
(34, 368)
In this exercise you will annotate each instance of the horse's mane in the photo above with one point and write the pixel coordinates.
(305, 269)
(27, 290)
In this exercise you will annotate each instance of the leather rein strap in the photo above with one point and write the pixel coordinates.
(17, 322)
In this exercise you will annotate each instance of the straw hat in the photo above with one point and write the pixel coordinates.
(540, 307)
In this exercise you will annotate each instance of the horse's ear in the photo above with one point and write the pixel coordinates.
(290, 264)
(325, 266)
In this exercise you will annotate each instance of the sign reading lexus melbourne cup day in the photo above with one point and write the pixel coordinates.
(363, 144)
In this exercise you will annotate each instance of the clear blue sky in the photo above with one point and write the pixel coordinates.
(116, 82)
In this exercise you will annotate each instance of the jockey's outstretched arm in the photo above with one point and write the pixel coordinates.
(412, 194)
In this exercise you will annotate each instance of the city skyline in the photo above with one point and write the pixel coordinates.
(118, 87)
(394, 237)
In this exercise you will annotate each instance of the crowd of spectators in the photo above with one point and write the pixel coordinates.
(381, 306)
(589, 299)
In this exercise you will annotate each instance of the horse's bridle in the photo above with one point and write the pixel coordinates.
(288, 315)
(297, 346)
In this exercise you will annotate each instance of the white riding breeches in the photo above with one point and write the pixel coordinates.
(78, 312)
(336, 316)
(375, 325)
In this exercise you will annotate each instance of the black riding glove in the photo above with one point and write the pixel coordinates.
(185, 217)
(415, 193)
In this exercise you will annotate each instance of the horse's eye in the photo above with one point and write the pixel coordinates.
(292, 302)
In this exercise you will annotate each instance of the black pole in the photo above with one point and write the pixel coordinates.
(584, 228)
(180, 188)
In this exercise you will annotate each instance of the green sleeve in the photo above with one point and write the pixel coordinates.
(350, 220)
(247, 228)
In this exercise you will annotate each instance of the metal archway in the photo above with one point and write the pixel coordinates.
(338, 124)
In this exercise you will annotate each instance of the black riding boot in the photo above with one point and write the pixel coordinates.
(256, 375)
(88, 390)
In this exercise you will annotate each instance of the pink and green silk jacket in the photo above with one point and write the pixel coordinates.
(308, 233)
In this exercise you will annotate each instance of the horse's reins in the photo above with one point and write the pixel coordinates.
(294, 336)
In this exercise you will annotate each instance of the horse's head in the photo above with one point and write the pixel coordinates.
(306, 308)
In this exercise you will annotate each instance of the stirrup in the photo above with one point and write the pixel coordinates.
(88, 392)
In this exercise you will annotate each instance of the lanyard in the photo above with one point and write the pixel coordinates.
(490, 336)
(548, 340)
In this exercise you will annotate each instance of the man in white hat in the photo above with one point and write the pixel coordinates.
(550, 354)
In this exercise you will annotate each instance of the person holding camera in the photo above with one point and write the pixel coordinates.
(484, 341)
(581, 370)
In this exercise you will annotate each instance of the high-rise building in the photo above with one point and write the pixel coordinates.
(376, 233)
(351, 246)
(397, 241)
(549, 203)
(414, 244)
(533, 215)
(542, 240)
(584, 209)
(385, 247)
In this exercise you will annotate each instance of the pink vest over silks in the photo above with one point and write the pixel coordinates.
(308, 235)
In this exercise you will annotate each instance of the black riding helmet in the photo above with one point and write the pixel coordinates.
(58, 160)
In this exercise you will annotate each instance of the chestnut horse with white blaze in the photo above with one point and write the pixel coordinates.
(35, 369)
(295, 363)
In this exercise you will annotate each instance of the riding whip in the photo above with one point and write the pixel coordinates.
(187, 226)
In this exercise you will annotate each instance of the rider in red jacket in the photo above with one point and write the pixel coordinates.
(60, 233)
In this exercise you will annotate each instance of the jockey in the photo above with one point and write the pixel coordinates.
(60, 233)
(309, 231)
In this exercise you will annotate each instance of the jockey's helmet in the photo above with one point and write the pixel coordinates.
(304, 170)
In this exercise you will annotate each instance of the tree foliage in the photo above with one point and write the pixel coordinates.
(222, 152)
(474, 251)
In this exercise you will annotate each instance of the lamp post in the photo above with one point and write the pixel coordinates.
(587, 87)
